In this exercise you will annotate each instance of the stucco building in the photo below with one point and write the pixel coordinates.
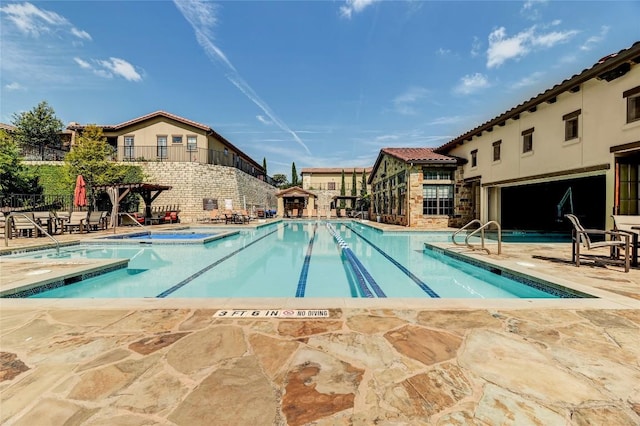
(573, 148)
(326, 183)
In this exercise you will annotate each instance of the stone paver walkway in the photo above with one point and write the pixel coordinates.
(393, 362)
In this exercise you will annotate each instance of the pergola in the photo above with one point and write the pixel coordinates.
(148, 192)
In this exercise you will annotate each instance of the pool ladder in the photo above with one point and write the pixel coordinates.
(480, 229)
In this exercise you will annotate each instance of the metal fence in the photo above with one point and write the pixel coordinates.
(35, 202)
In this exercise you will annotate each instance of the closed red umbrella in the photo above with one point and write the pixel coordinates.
(80, 193)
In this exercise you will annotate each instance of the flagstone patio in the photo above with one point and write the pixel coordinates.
(394, 361)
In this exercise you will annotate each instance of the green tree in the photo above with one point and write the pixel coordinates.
(15, 178)
(294, 175)
(342, 190)
(38, 128)
(354, 190)
(91, 158)
(280, 180)
(363, 189)
(264, 165)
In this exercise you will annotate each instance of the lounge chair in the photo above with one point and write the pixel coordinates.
(131, 219)
(77, 220)
(332, 213)
(171, 217)
(215, 216)
(294, 213)
(581, 237)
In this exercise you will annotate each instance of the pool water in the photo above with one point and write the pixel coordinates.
(292, 259)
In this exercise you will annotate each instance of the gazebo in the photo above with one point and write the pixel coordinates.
(294, 198)
(117, 191)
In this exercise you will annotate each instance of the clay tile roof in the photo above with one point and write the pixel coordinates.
(599, 70)
(163, 114)
(418, 155)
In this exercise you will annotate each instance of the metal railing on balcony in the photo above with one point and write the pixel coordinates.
(183, 154)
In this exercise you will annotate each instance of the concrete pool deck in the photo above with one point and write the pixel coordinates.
(376, 361)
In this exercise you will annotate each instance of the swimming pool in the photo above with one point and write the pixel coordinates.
(169, 237)
(293, 259)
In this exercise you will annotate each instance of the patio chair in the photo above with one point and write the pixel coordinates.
(294, 213)
(3, 224)
(581, 237)
(97, 220)
(77, 220)
(45, 220)
(23, 224)
(631, 225)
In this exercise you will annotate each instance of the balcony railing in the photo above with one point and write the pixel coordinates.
(182, 154)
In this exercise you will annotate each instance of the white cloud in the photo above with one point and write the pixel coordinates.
(443, 52)
(122, 68)
(527, 81)
(471, 83)
(34, 22)
(503, 48)
(263, 120)
(404, 103)
(446, 120)
(354, 6)
(530, 9)
(476, 46)
(201, 15)
(552, 38)
(593, 40)
(13, 86)
(80, 34)
(107, 68)
(82, 63)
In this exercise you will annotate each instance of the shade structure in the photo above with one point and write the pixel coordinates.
(80, 193)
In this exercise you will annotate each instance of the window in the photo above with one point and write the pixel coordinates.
(162, 146)
(176, 139)
(633, 104)
(628, 178)
(437, 199)
(474, 158)
(571, 125)
(527, 140)
(436, 174)
(192, 143)
(128, 148)
(331, 186)
(496, 150)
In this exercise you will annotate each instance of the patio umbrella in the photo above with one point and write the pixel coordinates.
(80, 193)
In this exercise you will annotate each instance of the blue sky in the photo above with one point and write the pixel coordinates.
(318, 83)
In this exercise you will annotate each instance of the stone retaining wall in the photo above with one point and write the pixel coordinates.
(193, 182)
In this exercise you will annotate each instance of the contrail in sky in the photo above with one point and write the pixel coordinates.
(202, 17)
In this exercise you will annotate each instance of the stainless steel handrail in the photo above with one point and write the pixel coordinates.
(481, 230)
(134, 221)
(453, 237)
(9, 225)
